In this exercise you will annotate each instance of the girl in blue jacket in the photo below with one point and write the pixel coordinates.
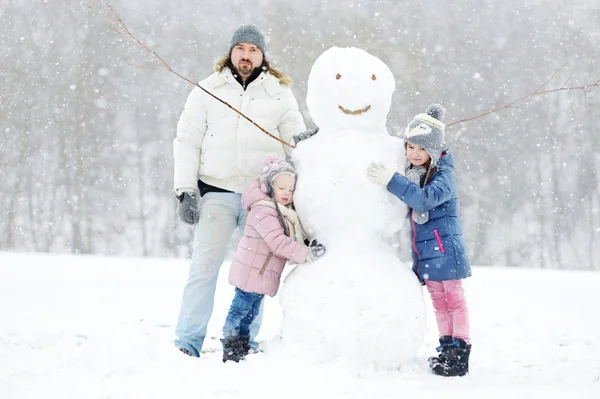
(438, 247)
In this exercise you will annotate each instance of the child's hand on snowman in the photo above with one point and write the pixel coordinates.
(315, 252)
(380, 174)
(310, 243)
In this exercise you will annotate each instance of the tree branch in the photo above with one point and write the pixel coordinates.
(537, 92)
(118, 26)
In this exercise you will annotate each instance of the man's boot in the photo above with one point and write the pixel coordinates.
(457, 360)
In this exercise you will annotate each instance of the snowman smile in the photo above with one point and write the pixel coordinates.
(357, 112)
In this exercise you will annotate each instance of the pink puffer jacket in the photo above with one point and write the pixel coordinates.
(264, 248)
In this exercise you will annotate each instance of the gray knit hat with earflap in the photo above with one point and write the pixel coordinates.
(248, 34)
(427, 130)
(274, 166)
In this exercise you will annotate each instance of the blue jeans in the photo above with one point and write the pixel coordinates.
(220, 214)
(244, 309)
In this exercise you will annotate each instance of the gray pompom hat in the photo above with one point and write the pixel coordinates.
(428, 131)
(274, 166)
(248, 34)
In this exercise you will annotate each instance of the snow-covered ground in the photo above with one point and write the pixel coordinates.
(95, 327)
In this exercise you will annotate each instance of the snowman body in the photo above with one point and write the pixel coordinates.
(359, 302)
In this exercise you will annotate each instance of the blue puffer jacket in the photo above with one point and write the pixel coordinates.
(438, 246)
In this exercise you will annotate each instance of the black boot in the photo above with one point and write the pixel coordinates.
(445, 342)
(457, 360)
(233, 349)
(246, 345)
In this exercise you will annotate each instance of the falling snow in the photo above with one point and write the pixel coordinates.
(86, 168)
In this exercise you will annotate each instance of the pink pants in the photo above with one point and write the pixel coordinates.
(450, 306)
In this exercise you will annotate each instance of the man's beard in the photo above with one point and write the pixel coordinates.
(245, 70)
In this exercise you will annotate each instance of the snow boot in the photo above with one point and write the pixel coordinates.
(248, 349)
(445, 342)
(456, 363)
(246, 345)
(233, 349)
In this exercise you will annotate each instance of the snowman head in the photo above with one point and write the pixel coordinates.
(348, 87)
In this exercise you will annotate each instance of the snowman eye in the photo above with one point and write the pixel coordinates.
(338, 76)
(373, 77)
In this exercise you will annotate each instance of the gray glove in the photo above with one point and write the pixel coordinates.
(187, 209)
(304, 135)
(315, 252)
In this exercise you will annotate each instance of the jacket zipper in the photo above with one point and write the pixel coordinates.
(439, 241)
(266, 263)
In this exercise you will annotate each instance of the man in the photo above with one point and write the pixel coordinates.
(219, 152)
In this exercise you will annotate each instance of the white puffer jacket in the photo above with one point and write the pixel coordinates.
(222, 148)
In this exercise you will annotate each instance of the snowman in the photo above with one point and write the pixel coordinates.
(359, 302)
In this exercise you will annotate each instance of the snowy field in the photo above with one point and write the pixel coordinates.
(92, 327)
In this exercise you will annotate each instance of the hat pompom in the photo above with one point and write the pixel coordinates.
(436, 111)
(271, 159)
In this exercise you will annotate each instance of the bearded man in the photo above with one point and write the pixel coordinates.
(216, 155)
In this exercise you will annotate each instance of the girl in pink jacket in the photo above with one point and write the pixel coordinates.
(273, 234)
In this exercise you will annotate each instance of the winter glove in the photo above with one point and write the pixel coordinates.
(304, 135)
(315, 252)
(187, 209)
(380, 174)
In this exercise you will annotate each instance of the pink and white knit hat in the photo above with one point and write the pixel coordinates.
(274, 166)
